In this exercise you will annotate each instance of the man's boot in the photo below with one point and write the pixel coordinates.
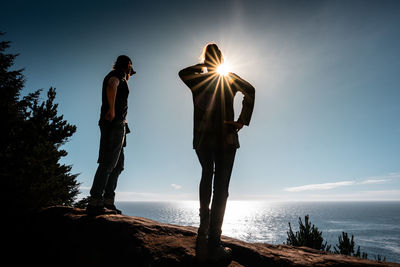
(96, 207)
(109, 204)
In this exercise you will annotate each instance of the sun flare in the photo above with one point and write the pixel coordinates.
(223, 69)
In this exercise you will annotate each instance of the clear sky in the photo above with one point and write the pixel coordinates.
(326, 120)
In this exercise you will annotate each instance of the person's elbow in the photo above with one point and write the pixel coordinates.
(251, 91)
(250, 95)
(182, 74)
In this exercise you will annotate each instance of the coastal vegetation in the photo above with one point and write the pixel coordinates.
(308, 235)
(31, 143)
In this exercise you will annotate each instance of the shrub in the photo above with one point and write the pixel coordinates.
(307, 236)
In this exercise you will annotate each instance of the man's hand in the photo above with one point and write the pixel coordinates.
(110, 115)
(236, 124)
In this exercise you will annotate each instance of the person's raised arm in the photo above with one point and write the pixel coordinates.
(191, 75)
(248, 92)
(111, 90)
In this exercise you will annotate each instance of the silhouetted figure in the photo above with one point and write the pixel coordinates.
(215, 141)
(113, 128)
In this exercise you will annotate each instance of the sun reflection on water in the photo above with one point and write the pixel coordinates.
(251, 221)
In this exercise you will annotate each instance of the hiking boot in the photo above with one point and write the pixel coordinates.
(112, 207)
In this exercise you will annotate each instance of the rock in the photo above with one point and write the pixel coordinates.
(66, 236)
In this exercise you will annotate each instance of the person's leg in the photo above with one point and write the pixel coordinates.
(99, 181)
(223, 169)
(112, 137)
(109, 192)
(206, 158)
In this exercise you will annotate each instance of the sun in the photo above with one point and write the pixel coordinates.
(224, 69)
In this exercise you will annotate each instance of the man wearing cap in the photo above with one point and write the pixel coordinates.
(113, 129)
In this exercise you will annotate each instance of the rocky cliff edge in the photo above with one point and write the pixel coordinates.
(66, 236)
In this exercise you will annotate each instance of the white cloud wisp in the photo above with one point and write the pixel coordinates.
(327, 186)
(324, 186)
(176, 186)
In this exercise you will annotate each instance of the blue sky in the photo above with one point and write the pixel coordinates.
(326, 120)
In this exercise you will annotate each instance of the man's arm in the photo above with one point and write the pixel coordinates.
(111, 90)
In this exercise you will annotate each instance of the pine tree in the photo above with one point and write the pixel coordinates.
(307, 236)
(346, 245)
(31, 174)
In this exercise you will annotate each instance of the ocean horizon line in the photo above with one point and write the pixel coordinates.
(262, 201)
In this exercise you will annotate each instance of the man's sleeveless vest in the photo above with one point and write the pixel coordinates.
(121, 99)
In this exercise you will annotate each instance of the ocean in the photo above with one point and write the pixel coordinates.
(375, 225)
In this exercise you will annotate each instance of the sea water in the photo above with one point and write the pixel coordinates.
(375, 225)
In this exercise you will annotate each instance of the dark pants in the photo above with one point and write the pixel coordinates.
(111, 162)
(217, 163)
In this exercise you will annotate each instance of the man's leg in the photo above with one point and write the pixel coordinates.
(111, 141)
(223, 169)
(109, 193)
(99, 181)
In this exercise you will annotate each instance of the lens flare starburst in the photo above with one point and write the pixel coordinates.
(223, 69)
